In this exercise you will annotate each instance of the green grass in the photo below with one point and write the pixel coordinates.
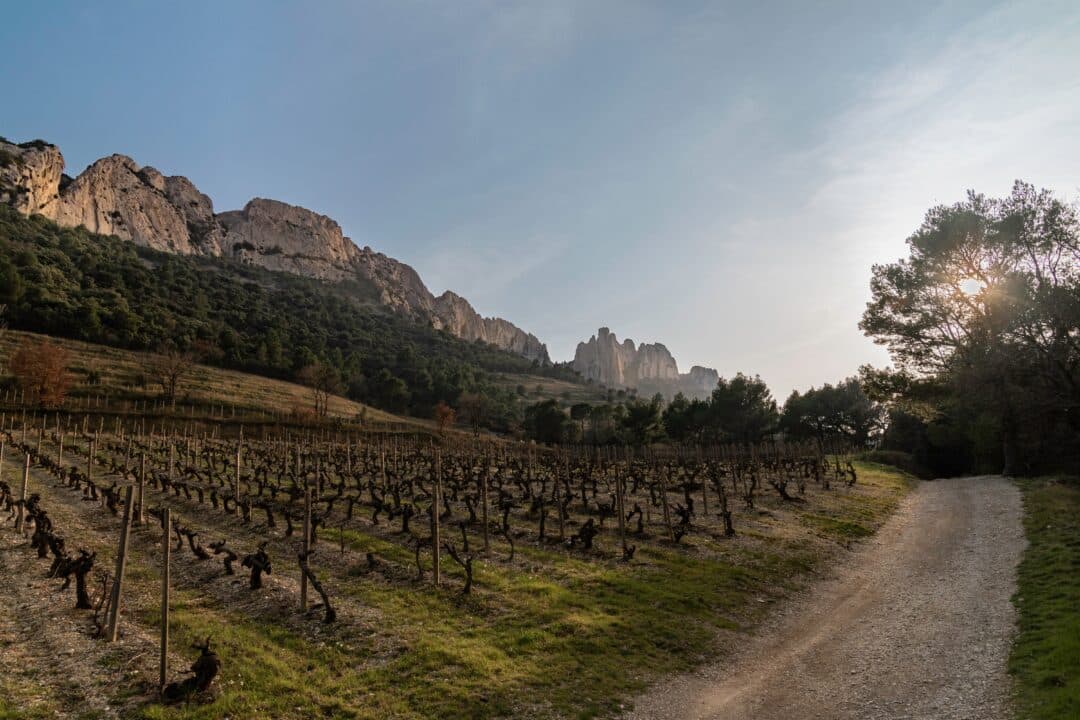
(1045, 659)
(13, 706)
(555, 634)
(837, 528)
(570, 644)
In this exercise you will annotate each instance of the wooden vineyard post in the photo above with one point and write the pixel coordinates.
(172, 459)
(484, 499)
(90, 460)
(558, 509)
(306, 546)
(142, 488)
(166, 550)
(704, 487)
(20, 519)
(436, 487)
(619, 508)
(1, 458)
(121, 564)
(40, 437)
(60, 452)
(667, 511)
(236, 490)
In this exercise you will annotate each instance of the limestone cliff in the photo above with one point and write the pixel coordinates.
(699, 382)
(204, 228)
(283, 237)
(459, 318)
(399, 286)
(30, 176)
(115, 196)
(649, 367)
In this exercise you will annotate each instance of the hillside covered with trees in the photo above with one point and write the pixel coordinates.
(71, 283)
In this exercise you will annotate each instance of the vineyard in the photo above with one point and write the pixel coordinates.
(341, 572)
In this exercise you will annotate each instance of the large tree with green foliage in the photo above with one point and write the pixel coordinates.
(832, 412)
(547, 422)
(743, 409)
(642, 424)
(987, 304)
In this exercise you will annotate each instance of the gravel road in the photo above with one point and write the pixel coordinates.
(916, 625)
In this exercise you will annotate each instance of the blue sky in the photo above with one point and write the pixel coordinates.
(715, 176)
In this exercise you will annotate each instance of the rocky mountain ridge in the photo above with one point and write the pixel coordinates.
(650, 368)
(115, 196)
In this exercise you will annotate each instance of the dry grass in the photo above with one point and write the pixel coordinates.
(539, 388)
(122, 374)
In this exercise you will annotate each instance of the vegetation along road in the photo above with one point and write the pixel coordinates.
(918, 625)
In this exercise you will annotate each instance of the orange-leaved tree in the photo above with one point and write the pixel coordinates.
(444, 417)
(41, 369)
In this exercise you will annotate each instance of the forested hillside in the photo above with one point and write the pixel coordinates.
(73, 283)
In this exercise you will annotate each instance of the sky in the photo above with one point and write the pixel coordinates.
(719, 177)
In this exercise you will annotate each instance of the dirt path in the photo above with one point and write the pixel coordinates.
(917, 625)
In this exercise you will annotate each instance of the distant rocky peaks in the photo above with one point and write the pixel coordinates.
(115, 196)
(649, 367)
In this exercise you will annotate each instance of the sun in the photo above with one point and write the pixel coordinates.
(971, 286)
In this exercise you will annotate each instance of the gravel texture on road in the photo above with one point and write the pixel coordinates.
(917, 624)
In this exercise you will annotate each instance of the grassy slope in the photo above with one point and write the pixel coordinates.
(120, 370)
(555, 635)
(1046, 656)
(567, 393)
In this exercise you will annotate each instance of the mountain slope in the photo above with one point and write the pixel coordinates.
(115, 196)
(71, 283)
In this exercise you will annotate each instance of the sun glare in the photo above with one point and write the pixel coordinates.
(971, 286)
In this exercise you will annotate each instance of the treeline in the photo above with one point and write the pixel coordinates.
(982, 321)
(72, 283)
(741, 410)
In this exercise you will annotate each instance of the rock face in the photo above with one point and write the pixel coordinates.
(204, 228)
(283, 237)
(606, 361)
(399, 287)
(650, 367)
(115, 196)
(699, 382)
(30, 177)
(459, 318)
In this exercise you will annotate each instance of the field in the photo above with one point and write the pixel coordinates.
(568, 614)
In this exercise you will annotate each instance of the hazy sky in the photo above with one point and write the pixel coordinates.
(715, 176)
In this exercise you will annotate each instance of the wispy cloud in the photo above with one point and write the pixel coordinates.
(787, 276)
(484, 273)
